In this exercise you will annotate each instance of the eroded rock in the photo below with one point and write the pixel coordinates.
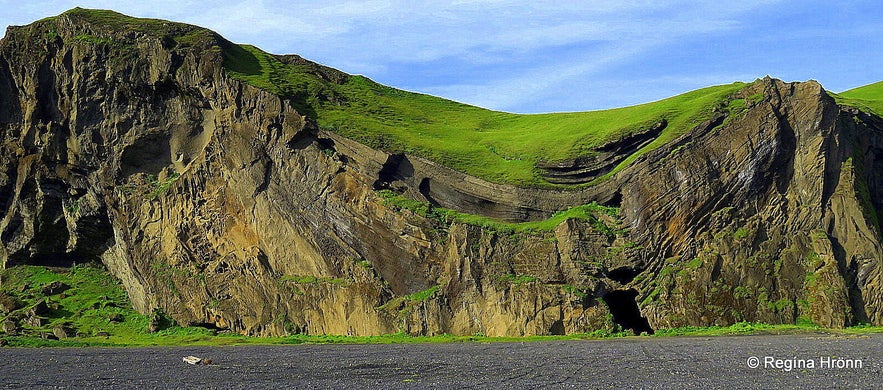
(224, 206)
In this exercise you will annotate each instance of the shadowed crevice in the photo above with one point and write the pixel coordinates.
(625, 311)
(388, 173)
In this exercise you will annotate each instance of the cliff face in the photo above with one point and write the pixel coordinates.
(769, 217)
(224, 206)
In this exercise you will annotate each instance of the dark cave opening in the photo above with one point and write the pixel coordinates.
(557, 328)
(623, 274)
(615, 200)
(625, 311)
(425, 190)
(326, 144)
(388, 172)
(206, 325)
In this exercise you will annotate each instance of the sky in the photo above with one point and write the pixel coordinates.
(542, 56)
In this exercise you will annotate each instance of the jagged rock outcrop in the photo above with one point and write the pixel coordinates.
(225, 206)
(769, 217)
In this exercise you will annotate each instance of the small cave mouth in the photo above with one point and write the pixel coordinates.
(623, 275)
(615, 200)
(625, 311)
(326, 144)
(557, 328)
(207, 325)
(388, 173)
(149, 154)
(426, 190)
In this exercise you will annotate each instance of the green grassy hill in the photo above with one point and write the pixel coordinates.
(496, 146)
(869, 97)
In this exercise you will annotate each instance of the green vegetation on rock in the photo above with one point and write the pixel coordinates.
(421, 296)
(160, 186)
(83, 305)
(315, 280)
(180, 33)
(592, 213)
(91, 39)
(404, 304)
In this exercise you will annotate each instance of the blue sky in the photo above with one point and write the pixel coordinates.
(543, 56)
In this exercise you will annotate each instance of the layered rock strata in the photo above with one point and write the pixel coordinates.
(224, 206)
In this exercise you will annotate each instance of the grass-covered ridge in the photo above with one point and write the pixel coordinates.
(113, 29)
(868, 98)
(496, 146)
(115, 21)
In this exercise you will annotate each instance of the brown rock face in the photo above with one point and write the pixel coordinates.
(769, 217)
(224, 206)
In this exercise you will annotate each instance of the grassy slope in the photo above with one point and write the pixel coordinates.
(91, 301)
(183, 35)
(496, 146)
(869, 97)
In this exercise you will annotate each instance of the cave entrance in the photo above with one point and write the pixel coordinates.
(388, 173)
(625, 311)
(615, 200)
(557, 328)
(623, 275)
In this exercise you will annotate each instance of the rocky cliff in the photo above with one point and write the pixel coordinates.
(127, 142)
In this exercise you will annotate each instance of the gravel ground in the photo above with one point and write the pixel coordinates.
(648, 363)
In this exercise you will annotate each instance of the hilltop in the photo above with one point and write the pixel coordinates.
(501, 147)
(241, 191)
